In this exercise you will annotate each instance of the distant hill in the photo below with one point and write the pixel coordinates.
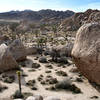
(35, 15)
(74, 22)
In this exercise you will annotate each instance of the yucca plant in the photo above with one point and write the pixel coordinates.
(19, 81)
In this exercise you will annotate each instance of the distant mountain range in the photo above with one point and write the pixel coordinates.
(36, 15)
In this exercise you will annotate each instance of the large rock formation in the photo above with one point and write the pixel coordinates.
(7, 62)
(62, 50)
(94, 17)
(78, 19)
(86, 51)
(18, 50)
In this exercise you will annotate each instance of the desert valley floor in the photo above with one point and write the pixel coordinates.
(88, 91)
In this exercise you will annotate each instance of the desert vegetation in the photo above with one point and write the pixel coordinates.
(39, 60)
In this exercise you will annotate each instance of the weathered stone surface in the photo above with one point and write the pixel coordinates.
(94, 17)
(35, 97)
(86, 51)
(18, 50)
(7, 62)
(62, 50)
(78, 19)
(52, 98)
(31, 98)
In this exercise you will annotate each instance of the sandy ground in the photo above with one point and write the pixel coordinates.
(87, 89)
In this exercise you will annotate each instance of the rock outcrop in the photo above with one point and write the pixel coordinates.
(62, 50)
(7, 62)
(86, 51)
(94, 17)
(78, 19)
(18, 50)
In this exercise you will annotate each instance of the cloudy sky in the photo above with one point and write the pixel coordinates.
(75, 5)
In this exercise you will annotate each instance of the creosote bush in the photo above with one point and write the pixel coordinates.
(68, 86)
(17, 94)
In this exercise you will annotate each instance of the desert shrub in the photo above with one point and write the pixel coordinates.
(68, 86)
(17, 94)
(8, 79)
(43, 60)
(2, 88)
(63, 60)
(36, 65)
(48, 71)
(32, 84)
(49, 66)
(65, 84)
(79, 79)
(61, 73)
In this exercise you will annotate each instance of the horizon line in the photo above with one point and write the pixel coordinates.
(45, 9)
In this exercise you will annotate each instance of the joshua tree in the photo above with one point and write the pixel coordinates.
(37, 33)
(54, 55)
(19, 81)
(54, 29)
(45, 41)
(42, 27)
(41, 41)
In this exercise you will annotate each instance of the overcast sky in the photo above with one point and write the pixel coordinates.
(75, 5)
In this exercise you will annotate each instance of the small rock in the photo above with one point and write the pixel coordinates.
(52, 98)
(36, 97)
(31, 98)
